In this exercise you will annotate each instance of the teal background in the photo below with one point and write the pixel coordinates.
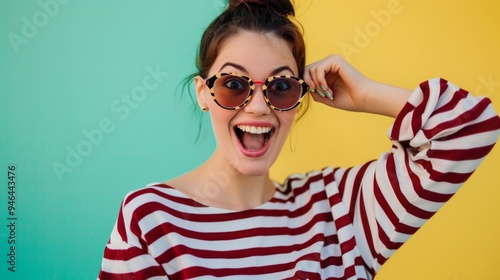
(63, 81)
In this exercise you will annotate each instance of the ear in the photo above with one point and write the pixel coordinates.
(201, 91)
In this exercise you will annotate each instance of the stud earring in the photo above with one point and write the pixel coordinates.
(204, 109)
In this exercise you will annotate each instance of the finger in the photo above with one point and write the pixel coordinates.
(324, 100)
(310, 79)
(321, 82)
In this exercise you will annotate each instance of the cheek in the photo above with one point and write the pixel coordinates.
(286, 120)
(220, 119)
(288, 117)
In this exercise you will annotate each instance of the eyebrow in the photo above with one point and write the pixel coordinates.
(242, 69)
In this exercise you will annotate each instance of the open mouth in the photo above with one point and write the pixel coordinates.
(253, 138)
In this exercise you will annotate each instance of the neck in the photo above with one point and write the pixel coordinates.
(225, 187)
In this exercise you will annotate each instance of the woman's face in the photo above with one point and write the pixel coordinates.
(250, 139)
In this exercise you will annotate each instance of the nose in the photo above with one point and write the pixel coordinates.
(257, 104)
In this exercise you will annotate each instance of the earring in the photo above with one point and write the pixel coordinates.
(204, 109)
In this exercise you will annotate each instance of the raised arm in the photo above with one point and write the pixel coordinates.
(350, 90)
(440, 135)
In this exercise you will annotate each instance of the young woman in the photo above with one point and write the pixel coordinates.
(227, 219)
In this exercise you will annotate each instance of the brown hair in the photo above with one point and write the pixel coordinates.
(269, 16)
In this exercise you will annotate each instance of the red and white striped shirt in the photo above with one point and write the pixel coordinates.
(335, 223)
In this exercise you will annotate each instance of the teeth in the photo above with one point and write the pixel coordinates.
(254, 129)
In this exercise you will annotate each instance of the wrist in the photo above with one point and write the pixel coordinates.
(387, 100)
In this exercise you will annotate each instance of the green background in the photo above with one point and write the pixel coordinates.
(71, 72)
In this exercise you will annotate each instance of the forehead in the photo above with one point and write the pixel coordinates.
(257, 53)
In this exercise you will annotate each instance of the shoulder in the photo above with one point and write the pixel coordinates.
(312, 182)
(148, 192)
(155, 196)
(301, 179)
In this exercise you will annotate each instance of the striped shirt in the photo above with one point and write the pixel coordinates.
(336, 223)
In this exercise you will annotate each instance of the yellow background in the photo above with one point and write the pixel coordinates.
(456, 40)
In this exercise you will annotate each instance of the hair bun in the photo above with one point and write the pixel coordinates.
(283, 7)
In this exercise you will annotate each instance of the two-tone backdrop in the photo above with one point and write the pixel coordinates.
(91, 108)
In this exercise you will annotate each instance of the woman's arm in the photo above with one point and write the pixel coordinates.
(440, 135)
(351, 90)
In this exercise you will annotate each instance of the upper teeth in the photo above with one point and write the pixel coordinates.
(254, 129)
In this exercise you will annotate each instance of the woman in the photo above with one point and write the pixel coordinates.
(227, 219)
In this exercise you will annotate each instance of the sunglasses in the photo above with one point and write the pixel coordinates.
(233, 91)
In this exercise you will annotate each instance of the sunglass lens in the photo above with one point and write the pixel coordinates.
(284, 93)
(231, 91)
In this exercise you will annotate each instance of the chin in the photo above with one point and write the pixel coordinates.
(255, 172)
(253, 168)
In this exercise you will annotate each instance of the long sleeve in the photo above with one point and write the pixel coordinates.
(125, 256)
(439, 139)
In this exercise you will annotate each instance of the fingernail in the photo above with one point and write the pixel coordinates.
(311, 90)
(329, 95)
(320, 93)
(326, 92)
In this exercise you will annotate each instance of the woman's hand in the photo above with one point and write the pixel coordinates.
(334, 76)
(350, 90)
